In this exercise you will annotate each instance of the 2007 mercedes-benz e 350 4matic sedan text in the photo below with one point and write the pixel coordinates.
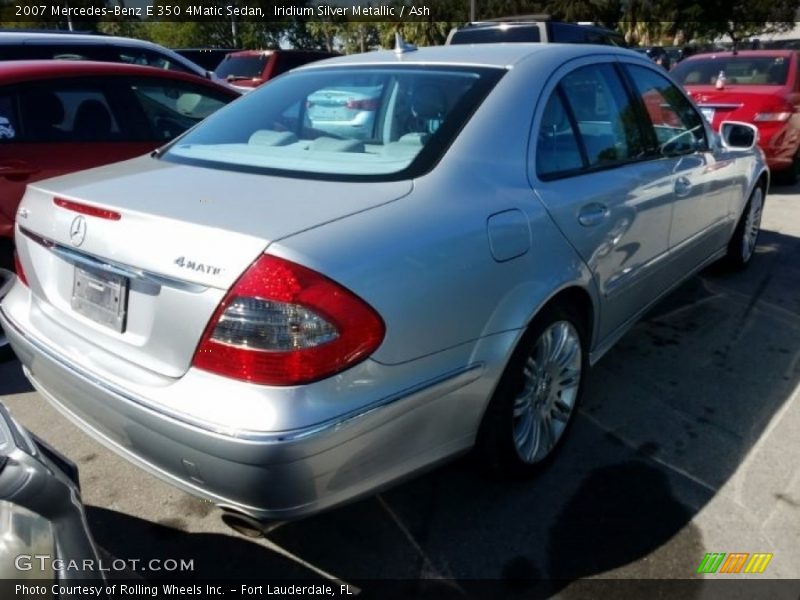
(280, 318)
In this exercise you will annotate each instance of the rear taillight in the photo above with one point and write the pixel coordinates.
(776, 112)
(19, 270)
(370, 104)
(284, 324)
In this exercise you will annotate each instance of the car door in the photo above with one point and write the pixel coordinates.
(703, 185)
(593, 175)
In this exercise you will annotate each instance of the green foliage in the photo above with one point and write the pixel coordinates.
(642, 21)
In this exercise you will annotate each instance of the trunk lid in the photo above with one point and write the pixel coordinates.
(734, 103)
(143, 287)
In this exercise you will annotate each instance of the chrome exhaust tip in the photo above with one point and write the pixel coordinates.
(247, 525)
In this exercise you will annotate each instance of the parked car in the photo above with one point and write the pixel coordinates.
(64, 116)
(45, 536)
(281, 320)
(250, 68)
(347, 111)
(533, 28)
(755, 86)
(48, 45)
(208, 58)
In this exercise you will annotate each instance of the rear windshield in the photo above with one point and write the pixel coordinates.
(241, 67)
(739, 70)
(500, 33)
(355, 123)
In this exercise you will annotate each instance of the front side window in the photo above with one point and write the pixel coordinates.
(605, 116)
(173, 107)
(362, 123)
(678, 127)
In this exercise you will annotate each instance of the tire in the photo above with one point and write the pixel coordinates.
(742, 244)
(537, 397)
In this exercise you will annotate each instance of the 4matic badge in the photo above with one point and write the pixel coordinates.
(193, 265)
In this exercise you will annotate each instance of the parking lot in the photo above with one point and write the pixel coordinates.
(686, 443)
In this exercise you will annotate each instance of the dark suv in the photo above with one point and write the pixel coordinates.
(538, 29)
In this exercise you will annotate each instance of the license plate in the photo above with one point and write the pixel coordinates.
(101, 296)
(708, 113)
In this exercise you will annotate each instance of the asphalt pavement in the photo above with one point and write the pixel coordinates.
(687, 443)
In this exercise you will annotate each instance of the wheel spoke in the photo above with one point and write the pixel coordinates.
(524, 433)
(569, 378)
(547, 438)
(521, 404)
(561, 410)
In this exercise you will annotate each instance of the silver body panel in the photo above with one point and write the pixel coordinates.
(456, 262)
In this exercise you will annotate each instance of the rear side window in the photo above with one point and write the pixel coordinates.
(572, 34)
(677, 126)
(9, 123)
(605, 116)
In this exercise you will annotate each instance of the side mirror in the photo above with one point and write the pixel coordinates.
(738, 136)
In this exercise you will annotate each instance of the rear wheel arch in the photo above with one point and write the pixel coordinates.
(527, 416)
(576, 299)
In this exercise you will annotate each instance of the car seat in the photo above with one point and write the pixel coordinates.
(92, 121)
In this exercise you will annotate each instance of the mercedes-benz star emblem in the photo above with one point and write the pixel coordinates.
(77, 231)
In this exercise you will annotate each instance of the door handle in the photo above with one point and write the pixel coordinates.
(683, 187)
(17, 169)
(592, 214)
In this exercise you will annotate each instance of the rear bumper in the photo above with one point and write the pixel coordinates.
(274, 476)
(779, 146)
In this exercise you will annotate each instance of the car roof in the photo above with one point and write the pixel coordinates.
(489, 55)
(279, 51)
(742, 53)
(11, 38)
(16, 37)
(16, 71)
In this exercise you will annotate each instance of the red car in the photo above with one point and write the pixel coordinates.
(247, 69)
(62, 116)
(761, 87)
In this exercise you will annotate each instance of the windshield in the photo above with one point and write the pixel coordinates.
(241, 67)
(379, 123)
(739, 70)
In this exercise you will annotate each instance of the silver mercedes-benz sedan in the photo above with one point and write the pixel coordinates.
(280, 319)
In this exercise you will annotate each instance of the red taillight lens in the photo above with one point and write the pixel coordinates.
(19, 270)
(284, 324)
(370, 104)
(86, 209)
